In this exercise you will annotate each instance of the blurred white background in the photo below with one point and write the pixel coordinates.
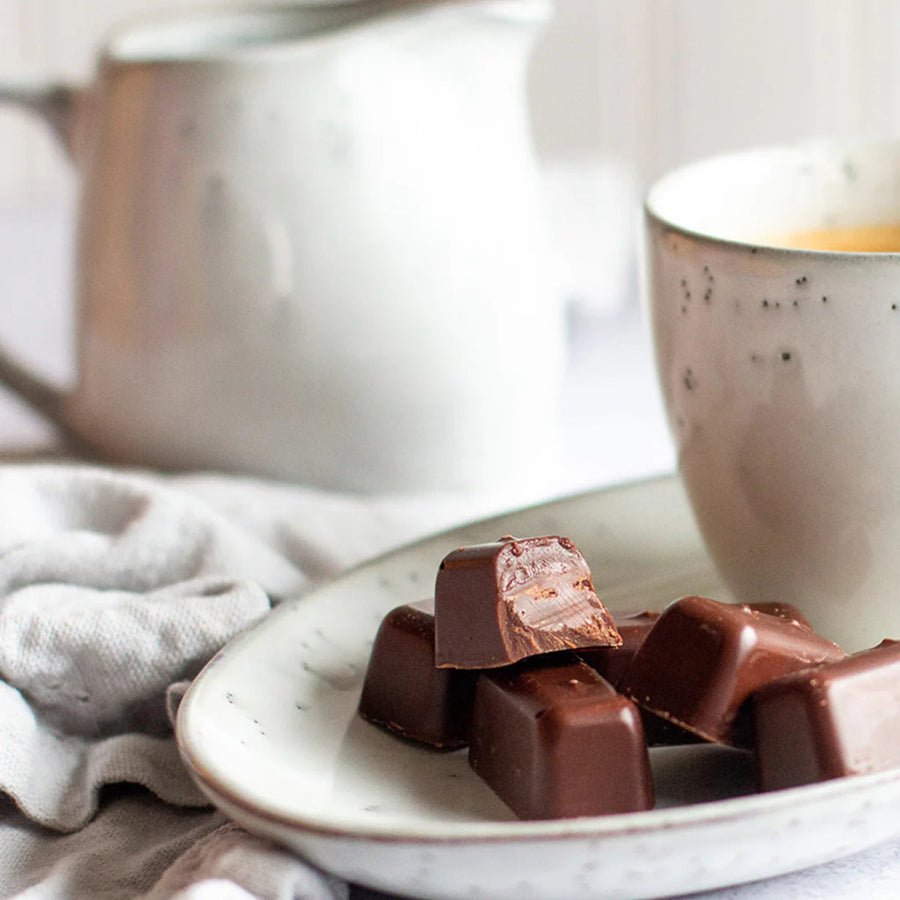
(647, 83)
(619, 90)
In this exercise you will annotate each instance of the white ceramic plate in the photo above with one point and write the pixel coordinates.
(270, 732)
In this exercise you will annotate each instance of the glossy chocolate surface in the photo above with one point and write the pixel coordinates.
(634, 626)
(553, 739)
(405, 693)
(785, 610)
(702, 659)
(840, 718)
(500, 602)
(613, 662)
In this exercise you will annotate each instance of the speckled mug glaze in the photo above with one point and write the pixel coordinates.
(780, 372)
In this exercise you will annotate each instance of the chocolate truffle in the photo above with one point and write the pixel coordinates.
(702, 659)
(553, 739)
(405, 693)
(839, 718)
(500, 602)
(611, 662)
(634, 626)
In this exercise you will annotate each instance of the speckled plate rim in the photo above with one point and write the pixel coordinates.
(319, 833)
(624, 824)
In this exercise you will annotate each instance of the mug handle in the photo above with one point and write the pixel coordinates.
(56, 105)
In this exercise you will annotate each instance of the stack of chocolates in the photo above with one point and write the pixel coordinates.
(558, 700)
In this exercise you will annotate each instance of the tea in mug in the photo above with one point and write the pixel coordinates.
(861, 239)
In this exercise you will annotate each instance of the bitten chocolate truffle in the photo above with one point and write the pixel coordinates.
(553, 739)
(839, 718)
(500, 602)
(405, 693)
(702, 659)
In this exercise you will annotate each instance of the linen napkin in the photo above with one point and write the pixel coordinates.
(115, 589)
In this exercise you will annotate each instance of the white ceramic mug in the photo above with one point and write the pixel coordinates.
(780, 370)
(309, 245)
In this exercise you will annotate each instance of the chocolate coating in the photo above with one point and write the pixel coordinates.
(553, 739)
(785, 610)
(840, 718)
(702, 659)
(500, 602)
(633, 626)
(612, 662)
(405, 693)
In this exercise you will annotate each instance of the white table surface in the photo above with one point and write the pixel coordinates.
(613, 426)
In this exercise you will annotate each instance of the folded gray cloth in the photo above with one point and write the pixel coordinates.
(115, 589)
(137, 846)
(110, 592)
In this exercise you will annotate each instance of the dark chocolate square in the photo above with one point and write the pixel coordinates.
(839, 718)
(406, 693)
(702, 659)
(553, 739)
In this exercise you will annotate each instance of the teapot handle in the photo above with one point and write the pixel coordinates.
(55, 104)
